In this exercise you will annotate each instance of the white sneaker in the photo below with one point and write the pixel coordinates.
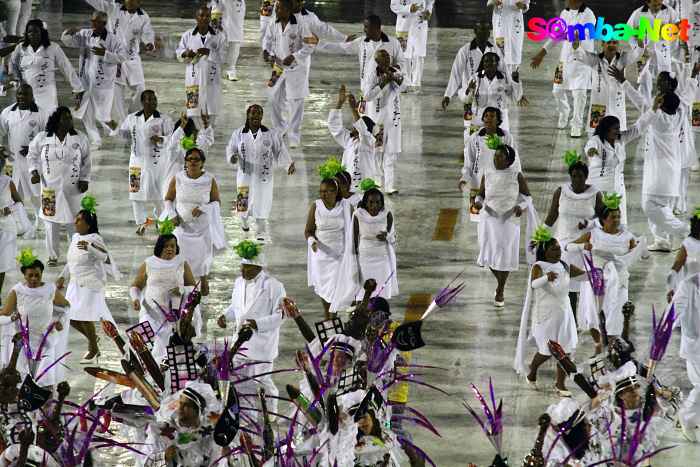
(655, 247)
(563, 121)
(231, 75)
(576, 132)
(695, 168)
(141, 230)
(391, 191)
(689, 434)
(677, 211)
(294, 144)
(95, 146)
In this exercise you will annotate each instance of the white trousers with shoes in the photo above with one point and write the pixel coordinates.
(579, 105)
(278, 105)
(662, 223)
(689, 414)
(140, 210)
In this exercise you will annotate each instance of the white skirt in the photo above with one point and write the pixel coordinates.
(500, 244)
(588, 311)
(196, 247)
(8, 240)
(163, 330)
(86, 305)
(323, 269)
(560, 328)
(379, 270)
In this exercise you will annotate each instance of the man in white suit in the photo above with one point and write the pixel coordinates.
(257, 302)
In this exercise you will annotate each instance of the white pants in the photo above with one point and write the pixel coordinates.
(234, 49)
(200, 124)
(579, 105)
(261, 226)
(140, 210)
(662, 222)
(683, 188)
(91, 125)
(389, 166)
(18, 14)
(53, 238)
(251, 386)
(278, 104)
(689, 414)
(119, 96)
(415, 74)
(264, 22)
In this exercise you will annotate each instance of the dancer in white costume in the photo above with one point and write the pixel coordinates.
(185, 136)
(194, 206)
(499, 226)
(574, 207)
(132, 26)
(687, 260)
(89, 262)
(227, 17)
(552, 317)
(353, 197)
(614, 250)
(163, 279)
(60, 159)
(328, 228)
(100, 54)
(412, 18)
(570, 74)
(204, 50)
(147, 130)
(509, 29)
(34, 62)
(38, 304)
(358, 142)
(254, 148)
(19, 124)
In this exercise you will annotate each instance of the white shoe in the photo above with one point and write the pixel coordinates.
(689, 434)
(391, 191)
(39, 224)
(655, 247)
(294, 144)
(231, 75)
(695, 168)
(676, 243)
(141, 230)
(563, 121)
(576, 132)
(677, 212)
(95, 146)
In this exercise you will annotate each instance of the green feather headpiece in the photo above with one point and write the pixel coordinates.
(367, 184)
(697, 212)
(571, 157)
(248, 250)
(89, 203)
(542, 235)
(493, 141)
(166, 226)
(26, 257)
(612, 201)
(330, 168)
(188, 142)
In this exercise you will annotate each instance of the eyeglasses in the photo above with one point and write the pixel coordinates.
(193, 160)
(326, 192)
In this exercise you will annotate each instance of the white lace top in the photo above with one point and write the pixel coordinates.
(329, 226)
(606, 246)
(502, 191)
(553, 297)
(161, 280)
(36, 305)
(371, 247)
(7, 223)
(192, 193)
(692, 260)
(574, 208)
(85, 269)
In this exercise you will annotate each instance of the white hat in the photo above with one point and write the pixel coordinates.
(563, 411)
(259, 261)
(203, 396)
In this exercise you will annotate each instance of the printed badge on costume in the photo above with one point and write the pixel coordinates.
(276, 73)
(242, 199)
(192, 96)
(559, 74)
(402, 37)
(641, 63)
(134, 179)
(696, 113)
(597, 114)
(48, 202)
(266, 9)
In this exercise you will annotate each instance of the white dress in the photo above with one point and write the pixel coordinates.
(552, 316)
(332, 231)
(176, 153)
(227, 16)
(612, 254)
(509, 29)
(8, 228)
(86, 291)
(499, 228)
(376, 258)
(574, 208)
(692, 259)
(197, 235)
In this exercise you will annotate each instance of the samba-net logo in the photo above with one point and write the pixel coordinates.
(557, 29)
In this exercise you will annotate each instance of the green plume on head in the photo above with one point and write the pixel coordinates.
(248, 250)
(166, 226)
(330, 168)
(493, 141)
(542, 235)
(89, 203)
(612, 201)
(571, 157)
(697, 212)
(188, 142)
(367, 184)
(26, 257)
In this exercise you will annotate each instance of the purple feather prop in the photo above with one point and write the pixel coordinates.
(37, 356)
(371, 303)
(378, 356)
(594, 274)
(417, 449)
(661, 333)
(52, 365)
(409, 379)
(494, 430)
(427, 425)
(24, 330)
(445, 296)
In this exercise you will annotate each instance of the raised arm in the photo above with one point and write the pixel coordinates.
(553, 209)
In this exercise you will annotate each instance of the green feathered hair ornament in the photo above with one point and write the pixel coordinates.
(166, 226)
(612, 201)
(367, 184)
(542, 235)
(330, 168)
(493, 142)
(697, 212)
(188, 142)
(26, 257)
(571, 157)
(248, 250)
(89, 203)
